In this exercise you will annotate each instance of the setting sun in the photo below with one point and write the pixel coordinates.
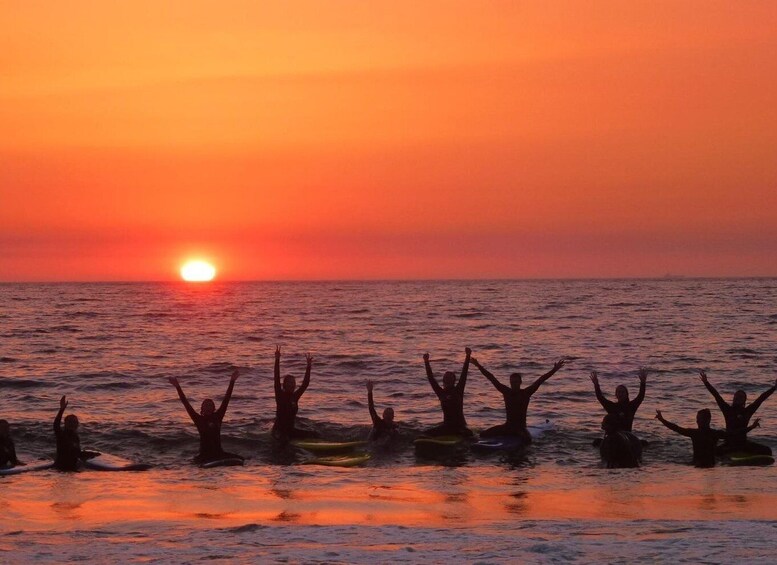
(198, 271)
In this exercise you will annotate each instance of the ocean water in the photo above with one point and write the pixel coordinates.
(111, 347)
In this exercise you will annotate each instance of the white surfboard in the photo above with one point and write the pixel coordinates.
(105, 462)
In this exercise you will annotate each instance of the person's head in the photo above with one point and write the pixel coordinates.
(289, 383)
(207, 407)
(449, 379)
(703, 418)
(740, 397)
(610, 423)
(5, 428)
(515, 380)
(622, 393)
(388, 415)
(71, 422)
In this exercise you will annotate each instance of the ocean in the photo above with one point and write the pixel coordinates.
(110, 348)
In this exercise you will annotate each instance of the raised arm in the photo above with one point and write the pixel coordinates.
(642, 385)
(722, 404)
(536, 384)
(277, 377)
(192, 414)
(305, 381)
(754, 425)
(497, 385)
(674, 427)
(228, 395)
(756, 404)
(598, 391)
(371, 403)
(58, 419)
(464, 370)
(430, 375)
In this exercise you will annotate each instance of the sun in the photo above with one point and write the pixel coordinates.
(198, 271)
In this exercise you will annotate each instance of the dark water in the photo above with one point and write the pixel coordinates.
(111, 347)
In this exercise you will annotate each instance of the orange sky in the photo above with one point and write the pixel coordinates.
(387, 140)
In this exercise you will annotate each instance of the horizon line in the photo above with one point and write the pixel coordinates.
(380, 280)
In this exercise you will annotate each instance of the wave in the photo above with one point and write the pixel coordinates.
(19, 383)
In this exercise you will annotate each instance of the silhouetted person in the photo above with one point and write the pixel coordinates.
(382, 428)
(287, 402)
(516, 402)
(624, 409)
(208, 422)
(7, 448)
(451, 396)
(737, 416)
(619, 449)
(69, 452)
(704, 438)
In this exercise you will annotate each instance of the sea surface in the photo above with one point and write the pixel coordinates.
(111, 347)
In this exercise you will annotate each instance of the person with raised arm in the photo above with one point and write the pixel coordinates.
(703, 437)
(7, 448)
(451, 396)
(287, 397)
(624, 409)
(208, 422)
(737, 415)
(516, 402)
(382, 428)
(69, 452)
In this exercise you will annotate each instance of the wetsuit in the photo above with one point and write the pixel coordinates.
(737, 421)
(381, 430)
(452, 403)
(209, 428)
(620, 449)
(625, 411)
(705, 442)
(69, 451)
(516, 406)
(286, 408)
(7, 452)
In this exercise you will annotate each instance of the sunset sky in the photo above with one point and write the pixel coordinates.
(402, 139)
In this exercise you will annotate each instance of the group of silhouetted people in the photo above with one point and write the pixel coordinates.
(619, 447)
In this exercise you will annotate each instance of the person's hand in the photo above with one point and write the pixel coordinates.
(277, 351)
(558, 364)
(370, 386)
(659, 416)
(468, 351)
(703, 377)
(235, 375)
(757, 423)
(594, 377)
(173, 381)
(643, 373)
(309, 359)
(63, 402)
(426, 357)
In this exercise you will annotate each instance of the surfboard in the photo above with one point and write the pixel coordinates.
(324, 446)
(30, 467)
(226, 462)
(511, 443)
(105, 462)
(438, 441)
(537, 430)
(499, 443)
(744, 458)
(344, 460)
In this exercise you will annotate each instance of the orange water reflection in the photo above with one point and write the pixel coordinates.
(471, 498)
